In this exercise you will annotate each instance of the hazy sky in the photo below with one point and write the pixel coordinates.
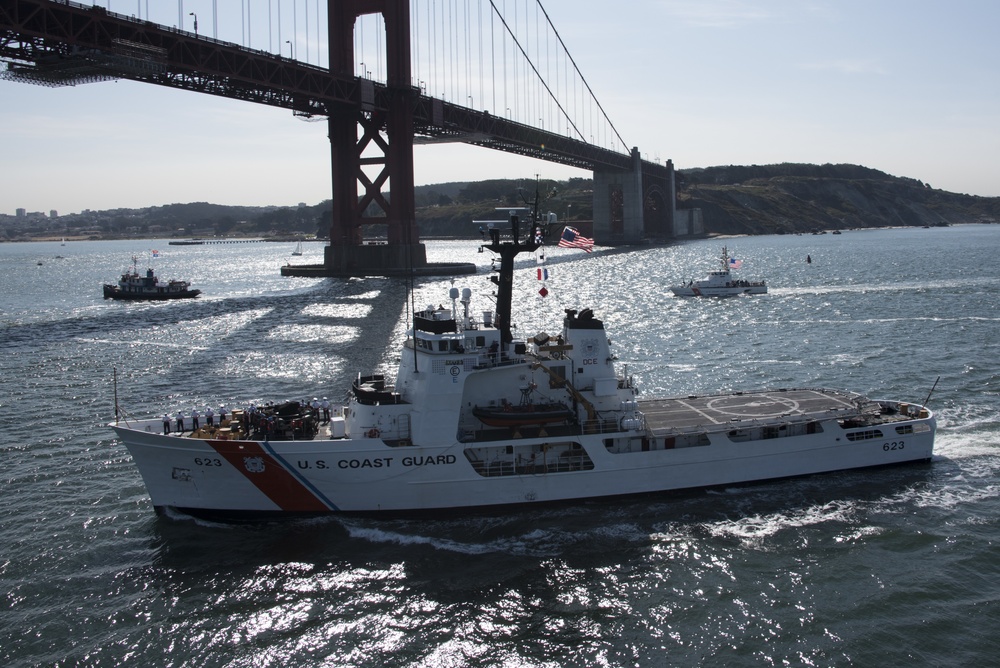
(909, 87)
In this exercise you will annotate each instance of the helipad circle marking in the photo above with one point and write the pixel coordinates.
(719, 405)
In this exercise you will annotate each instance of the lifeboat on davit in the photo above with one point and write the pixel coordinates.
(510, 415)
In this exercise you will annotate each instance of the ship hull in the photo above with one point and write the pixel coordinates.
(708, 291)
(241, 478)
(114, 292)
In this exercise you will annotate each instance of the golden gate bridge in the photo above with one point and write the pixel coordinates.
(491, 73)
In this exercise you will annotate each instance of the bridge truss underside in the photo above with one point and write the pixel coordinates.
(66, 43)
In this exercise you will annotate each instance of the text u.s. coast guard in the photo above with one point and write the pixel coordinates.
(379, 462)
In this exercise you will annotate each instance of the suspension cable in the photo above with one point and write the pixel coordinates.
(582, 78)
(535, 69)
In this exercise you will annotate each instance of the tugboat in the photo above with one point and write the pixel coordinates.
(437, 438)
(720, 283)
(132, 286)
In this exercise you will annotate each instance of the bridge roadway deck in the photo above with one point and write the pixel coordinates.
(714, 412)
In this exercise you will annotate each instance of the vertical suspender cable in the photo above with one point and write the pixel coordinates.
(453, 46)
(479, 22)
(520, 47)
(548, 73)
(449, 49)
(468, 55)
(563, 44)
(493, 62)
(430, 43)
(514, 61)
(505, 103)
(538, 56)
(434, 45)
(453, 49)
(415, 40)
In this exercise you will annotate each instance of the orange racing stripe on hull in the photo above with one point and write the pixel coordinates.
(271, 476)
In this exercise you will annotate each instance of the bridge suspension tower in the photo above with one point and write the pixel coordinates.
(359, 198)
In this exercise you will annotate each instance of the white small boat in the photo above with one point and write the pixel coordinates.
(298, 249)
(720, 283)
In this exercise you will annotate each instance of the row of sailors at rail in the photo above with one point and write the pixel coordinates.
(320, 407)
(195, 419)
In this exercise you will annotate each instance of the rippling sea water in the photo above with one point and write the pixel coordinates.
(873, 568)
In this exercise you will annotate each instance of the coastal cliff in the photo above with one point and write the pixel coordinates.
(757, 199)
(787, 198)
(792, 198)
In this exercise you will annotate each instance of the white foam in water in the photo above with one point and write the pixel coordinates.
(377, 535)
(761, 526)
(966, 441)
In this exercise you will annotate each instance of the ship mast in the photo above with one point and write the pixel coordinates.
(508, 246)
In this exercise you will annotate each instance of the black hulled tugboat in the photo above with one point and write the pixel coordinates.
(132, 286)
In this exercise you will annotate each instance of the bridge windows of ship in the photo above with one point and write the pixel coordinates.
(486, 354)
(765, 432)
(440, 345)
(529, 459)
(865, 435)
(627, 445)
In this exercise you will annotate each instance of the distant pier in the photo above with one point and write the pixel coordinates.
(365, 265)
(205, 242)
(428, 269)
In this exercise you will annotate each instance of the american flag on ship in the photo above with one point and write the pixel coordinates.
(571, 238)
(734, 263)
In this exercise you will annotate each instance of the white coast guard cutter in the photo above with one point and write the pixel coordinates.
(477, 419)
